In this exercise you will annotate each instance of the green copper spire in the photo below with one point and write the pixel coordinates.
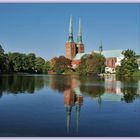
(70, 38)
(70, 25)
(101, 48)
(79, 35)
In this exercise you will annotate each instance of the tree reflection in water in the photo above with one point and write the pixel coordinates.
(129, 89)
(93, 87)
(20, 83)
(73, 87)
(60, 83)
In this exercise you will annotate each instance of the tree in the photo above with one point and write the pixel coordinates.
(39, 63)
(3, 60)
(60, 64)
(1, 50)
(15, 61)
(46, 67)
(31, 62)
(19, 62)
(24, 63)
(128, 64)
(52, 63)
(92, 64)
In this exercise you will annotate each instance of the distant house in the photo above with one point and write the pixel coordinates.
(113, 59)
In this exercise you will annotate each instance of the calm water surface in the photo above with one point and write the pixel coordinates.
(56, 105)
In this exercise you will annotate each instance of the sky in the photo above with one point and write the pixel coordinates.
(42, 28)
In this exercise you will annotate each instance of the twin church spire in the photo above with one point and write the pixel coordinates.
(70, 38)
(79, 34)
(74, 48)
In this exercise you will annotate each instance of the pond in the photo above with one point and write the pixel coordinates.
(68, 106)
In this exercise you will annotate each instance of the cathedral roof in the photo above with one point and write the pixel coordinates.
(80, 55)
(106, 53)
(111, 53)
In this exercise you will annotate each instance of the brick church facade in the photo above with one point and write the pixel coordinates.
(73, 48)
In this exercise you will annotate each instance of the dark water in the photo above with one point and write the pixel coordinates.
(56, 105)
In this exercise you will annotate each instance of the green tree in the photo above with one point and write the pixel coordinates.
(92, 64)
(3, 61)
(128, 64)
(15, 61)
(31, 62)
(24, 63)
(39, 63)
(19, 62)
(46, 67)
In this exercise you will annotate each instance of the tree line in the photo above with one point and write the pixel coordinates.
(19, 62)
(90, 64)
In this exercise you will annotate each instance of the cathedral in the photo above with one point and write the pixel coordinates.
(74, 48)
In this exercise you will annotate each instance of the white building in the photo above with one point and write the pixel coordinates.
(113, 59)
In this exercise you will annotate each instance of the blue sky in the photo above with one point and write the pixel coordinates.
(43, 28)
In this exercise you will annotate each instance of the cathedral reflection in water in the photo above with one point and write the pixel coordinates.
(109, 90)
(72, 98)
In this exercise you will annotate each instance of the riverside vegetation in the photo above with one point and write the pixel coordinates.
(16, 62)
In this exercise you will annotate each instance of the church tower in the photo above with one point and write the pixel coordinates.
(80, 45)
(70, 45)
